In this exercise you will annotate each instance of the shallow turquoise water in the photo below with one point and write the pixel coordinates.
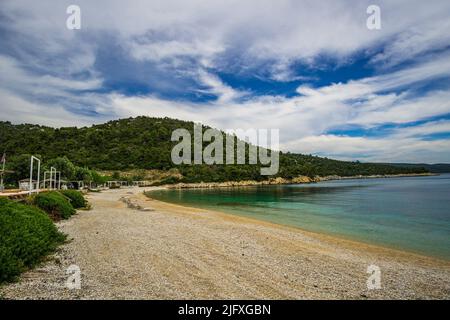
(411, 213)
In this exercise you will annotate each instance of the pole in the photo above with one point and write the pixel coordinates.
(31, 174)
(30, 186)
(52, 178)
(39, 176)
(3, 172)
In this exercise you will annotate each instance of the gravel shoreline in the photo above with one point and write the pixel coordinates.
(132, 247)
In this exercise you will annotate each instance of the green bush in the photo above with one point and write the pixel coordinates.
(76, 198)
(55, 204)
(26, 235)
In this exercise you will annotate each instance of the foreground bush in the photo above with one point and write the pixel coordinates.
(76, 198)
(55, 204)
(26, 235)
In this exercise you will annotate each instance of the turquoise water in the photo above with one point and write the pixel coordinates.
(410, 213)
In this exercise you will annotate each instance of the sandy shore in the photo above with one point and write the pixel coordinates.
(148, 249)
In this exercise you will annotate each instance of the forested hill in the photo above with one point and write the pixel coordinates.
(434, 168)
(145, 143)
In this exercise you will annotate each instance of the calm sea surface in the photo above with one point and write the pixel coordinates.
(410, 213)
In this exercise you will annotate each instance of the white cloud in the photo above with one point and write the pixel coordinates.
(14, 77)
(258, 30)
(375, 149)
(13, 108)
(42, 84)
(428, 128)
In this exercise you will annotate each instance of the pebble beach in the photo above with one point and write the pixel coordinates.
(129, 246)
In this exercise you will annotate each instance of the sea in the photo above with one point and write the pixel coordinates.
(406, 213)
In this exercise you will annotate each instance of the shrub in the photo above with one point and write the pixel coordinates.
(26, 235)
(76, 198)
(55, 204)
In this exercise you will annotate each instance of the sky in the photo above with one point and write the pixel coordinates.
(311, 69)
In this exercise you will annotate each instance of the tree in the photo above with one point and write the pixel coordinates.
(97, 178)
(83, 174)
(145, 143)
(20, 167)
(64, 165)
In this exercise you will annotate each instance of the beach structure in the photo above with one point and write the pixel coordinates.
(46, 182)
(3, 171)
(27, 185)
(141, 183)
(58, 181)
(34, 186)
(52, 177)
(114, 183)
(75, 184)
(52, 182)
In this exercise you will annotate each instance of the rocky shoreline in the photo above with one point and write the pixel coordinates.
(280, 181)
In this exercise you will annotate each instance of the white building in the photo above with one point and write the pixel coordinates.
(25, 184)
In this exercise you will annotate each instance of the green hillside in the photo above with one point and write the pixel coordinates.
(434, 168)
(145, 143)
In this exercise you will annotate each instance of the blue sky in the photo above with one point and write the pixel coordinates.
(312, 70)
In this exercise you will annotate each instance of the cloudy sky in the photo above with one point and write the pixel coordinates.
(310, 68)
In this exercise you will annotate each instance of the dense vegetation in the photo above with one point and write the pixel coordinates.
(26, 235)
(435, 168)
(55, 204)
(20, 166)
(76, 198)
(145, 143)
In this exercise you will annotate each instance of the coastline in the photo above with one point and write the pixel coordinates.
(340, 239)
(281, 181)
(142, 248)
